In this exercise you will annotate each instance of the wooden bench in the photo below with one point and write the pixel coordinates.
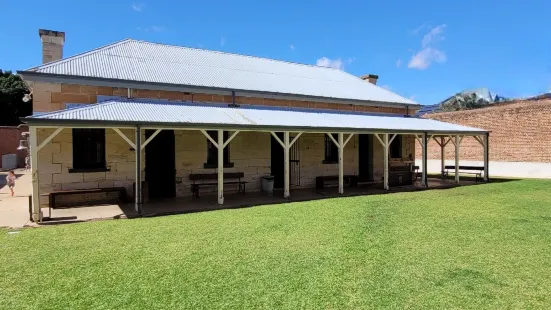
(476, 170)
(231, 177)
(52, 195)
(351, 180)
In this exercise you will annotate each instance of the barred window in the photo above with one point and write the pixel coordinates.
(88, 148)
(331, 150)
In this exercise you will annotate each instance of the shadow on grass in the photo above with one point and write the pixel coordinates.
(473, 179)
(315, 195)
(60, 221)
(469, 279)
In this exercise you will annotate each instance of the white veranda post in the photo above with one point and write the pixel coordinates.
(442, 142)
(484, 141)
(138, 148)
(35, 149)
(220, 144)
(425, 161)
(341, 165)
(442, 157)
(286, 144)
(423, 141)
(138, 187)
(385, 142)
(457, 142)
(220, 147)
(386, 161)
(486, 157)
(341, 143)
(287, 177)
(33, 132)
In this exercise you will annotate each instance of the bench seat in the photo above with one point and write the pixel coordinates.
(52, 195)
(352, 180)
(474, 170)
(231, 177)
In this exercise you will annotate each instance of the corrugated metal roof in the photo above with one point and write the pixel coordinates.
(194, 115)
(141, 61)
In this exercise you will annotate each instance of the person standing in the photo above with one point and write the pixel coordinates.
(27, 163)
(11, 181)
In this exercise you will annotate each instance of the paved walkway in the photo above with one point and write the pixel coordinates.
(499, 169)
(14, 211)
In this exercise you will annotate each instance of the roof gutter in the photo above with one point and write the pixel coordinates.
(156, 125)
(74, 79)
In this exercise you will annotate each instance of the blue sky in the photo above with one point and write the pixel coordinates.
(425, 50)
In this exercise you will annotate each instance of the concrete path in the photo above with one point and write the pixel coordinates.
(499, 169)
(14, 211)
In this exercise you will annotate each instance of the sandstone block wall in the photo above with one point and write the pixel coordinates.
(56, 158)
(249, 152)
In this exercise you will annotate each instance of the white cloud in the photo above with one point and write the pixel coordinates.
(331, 63)
(157, 28)
(429, 53)
(351, 60)
(154, 28)
(222, 42)
(424, 58)
(138, 7)
(398, 63)
(419, 28)
(292, 47)
(412, 97)
(435, 35)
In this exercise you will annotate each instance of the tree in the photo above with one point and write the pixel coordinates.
(12, 106)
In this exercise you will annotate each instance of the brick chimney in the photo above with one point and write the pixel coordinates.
(371, 78)
(52, 44)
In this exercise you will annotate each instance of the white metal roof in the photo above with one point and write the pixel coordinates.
(141, 61)
(151, 113)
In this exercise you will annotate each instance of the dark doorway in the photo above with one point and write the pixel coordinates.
(160, 164)
(365, 158)
(277, 158)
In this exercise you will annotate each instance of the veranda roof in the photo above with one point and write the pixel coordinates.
(173, 114)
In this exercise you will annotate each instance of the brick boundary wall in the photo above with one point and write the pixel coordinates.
(9, 141)
(520, 131)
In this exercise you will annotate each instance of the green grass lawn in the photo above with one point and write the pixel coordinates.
(485, 246)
